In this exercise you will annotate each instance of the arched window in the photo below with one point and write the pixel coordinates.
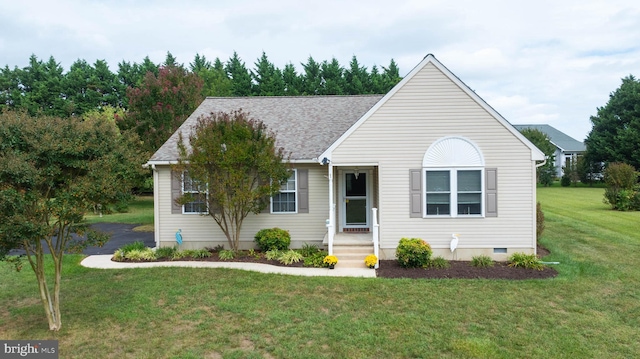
(453, 179)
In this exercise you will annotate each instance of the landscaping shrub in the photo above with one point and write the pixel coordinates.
(525, 261)
(226, 254)
(482, 261)
(622, 191)
(273, 238)
(145, 254)
(308, 250)
(439, 262)
(413, 253)
(539, 221)
(565, 181)
(315, 260)
(132, 246)
(271, 255)
(290, 257)
(165, 252)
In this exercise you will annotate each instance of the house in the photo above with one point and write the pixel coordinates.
(430, 159)
(567, 148)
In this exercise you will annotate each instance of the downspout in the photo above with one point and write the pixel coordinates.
(330, 222)
(156, 207)
(332, 206)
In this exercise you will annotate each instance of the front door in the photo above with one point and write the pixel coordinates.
(355, 200)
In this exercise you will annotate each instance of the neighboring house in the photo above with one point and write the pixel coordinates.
(429, 159)
(567, 148)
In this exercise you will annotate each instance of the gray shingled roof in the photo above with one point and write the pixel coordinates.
(305, 126)
(558, 138)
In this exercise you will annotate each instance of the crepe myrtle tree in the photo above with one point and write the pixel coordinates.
(52, 171)
(234, 161)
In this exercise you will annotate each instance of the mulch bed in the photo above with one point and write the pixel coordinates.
(458, 269)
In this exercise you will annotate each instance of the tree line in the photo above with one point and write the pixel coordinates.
(44, 87)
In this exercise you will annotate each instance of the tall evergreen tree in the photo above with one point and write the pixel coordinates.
(43, 88)
(239, 75)
(199, 64)
(332, 78)
(267, 79)
(292, 81)
(311, 79)
(391, 76)
(357, 78)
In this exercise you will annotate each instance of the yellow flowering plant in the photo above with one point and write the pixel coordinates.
(371, 260)
(330, 260)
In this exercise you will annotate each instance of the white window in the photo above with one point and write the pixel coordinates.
(453, 179)
(286, 200)
(198, 193)
(453, 192)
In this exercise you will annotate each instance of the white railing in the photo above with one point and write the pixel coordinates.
(376, 236)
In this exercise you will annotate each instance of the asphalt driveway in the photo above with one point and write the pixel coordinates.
(121, 234)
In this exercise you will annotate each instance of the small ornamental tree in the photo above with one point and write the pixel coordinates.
(52, 171)
(236, 160)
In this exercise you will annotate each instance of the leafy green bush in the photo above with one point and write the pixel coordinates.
(290, 257)
(539, 221)
(138, 245)
(523, 260)
(439, 262)
(413, 253)
(482, 261)
(622, 187)
(118, 255)
(565, 181)
(145, 254)
(197, 253)
(272, 255)
(226, 254)
(165, 252)
(315, 260)
(273, 238)
(308, 250)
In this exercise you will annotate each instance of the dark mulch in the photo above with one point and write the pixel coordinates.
(464, 270)
(391, 269)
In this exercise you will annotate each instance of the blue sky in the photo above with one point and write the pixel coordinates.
(552, 62)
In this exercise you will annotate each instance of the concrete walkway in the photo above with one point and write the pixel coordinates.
(104, 262)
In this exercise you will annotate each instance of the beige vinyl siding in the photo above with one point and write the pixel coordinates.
(430, 106)
(200, 231)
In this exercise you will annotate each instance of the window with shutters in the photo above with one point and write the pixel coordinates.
(286, 200)
(198, 194)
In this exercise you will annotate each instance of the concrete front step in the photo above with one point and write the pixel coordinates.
(353, 250)
(350, 263)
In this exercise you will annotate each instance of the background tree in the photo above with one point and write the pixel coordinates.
(332, 75)
(51, 171)
(267, 79)
(161, 104)
(390, 76)
(546, 173)
(312, 78)
(239, 75)
(615, 135)
(292, 81)
(357, 78)
(235, 158)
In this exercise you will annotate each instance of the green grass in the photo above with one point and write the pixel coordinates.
(140, 212)
(591, 310)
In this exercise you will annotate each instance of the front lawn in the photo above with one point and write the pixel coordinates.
(591, 310)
